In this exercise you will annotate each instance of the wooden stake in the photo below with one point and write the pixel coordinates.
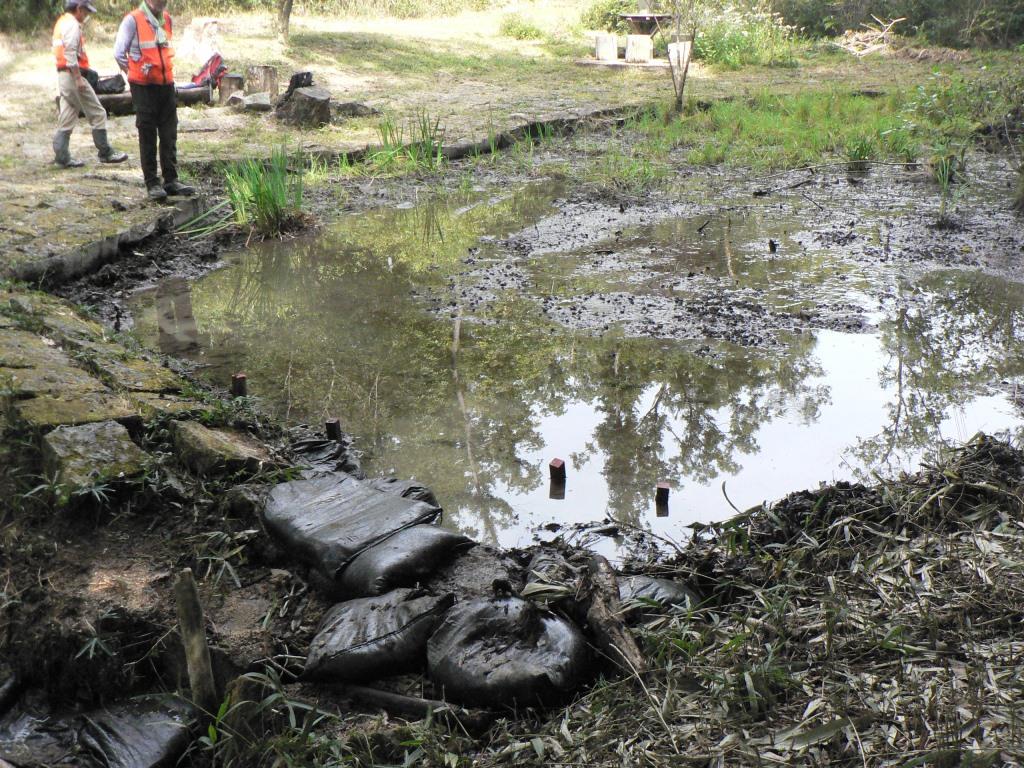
(239, 385)
(193, 638)
(333, 429)
(661, 493)
(557, 469)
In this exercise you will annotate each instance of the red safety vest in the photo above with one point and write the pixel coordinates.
(58, 43)
(159, 57)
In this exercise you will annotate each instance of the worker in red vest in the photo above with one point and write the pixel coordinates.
(144, 52)
(76, 95)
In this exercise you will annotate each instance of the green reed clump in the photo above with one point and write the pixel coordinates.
(264, 196)
(413, 145)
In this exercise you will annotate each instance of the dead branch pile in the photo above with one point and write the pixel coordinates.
(872, 39)
(851, 625)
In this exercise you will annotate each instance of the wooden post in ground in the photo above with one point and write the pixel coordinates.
(193, 638)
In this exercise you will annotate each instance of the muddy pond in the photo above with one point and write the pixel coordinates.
(738, 349)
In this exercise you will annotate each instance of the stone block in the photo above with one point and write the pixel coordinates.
(81, 457)
(118, 368)
(307, 107)
(154, 404)
(639, 49)
(210, 451)
(256, 102)
(606, 47)
(47, 412)
(679, 53)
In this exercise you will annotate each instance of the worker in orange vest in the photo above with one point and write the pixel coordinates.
(144, 52)
(76, 95)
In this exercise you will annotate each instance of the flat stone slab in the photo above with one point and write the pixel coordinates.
(56, 316)
(47, 412)
(84, 456)
(153, 404)
(127, 371)
(208, 451)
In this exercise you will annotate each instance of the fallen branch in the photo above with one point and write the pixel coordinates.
(415, 708)
(604, 617)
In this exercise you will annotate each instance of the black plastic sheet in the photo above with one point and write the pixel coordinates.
(325, 521)
(506, 651)
(664, 592)
(407, 489)
(404, 560)
(142, 734)
(323, 455)
(375, 637)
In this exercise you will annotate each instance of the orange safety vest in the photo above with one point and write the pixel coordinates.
(58, 43)
(159, 57)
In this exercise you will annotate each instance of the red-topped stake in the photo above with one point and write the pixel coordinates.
(239, 387)
(557, 468)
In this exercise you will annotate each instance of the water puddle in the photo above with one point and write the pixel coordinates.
(468, 341)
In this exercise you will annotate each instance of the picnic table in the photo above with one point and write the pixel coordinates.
(645, 23)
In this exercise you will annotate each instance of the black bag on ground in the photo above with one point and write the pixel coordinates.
(374, 637)
(407, 489)
(327, 520)
(648, 589)
(143, 734)
(324, 455)
(404, 560)
(506, 651)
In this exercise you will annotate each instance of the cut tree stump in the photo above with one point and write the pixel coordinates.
(261, 79)
(307, 108)
(229, 84)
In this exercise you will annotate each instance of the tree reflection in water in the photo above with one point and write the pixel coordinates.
(456, 398)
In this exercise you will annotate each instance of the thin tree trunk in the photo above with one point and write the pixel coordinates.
(284, 14)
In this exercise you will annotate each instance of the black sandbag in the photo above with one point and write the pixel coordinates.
(327, 520)
(665, 592)
(506, 651)
(375, 637)
(142, 734)
(323, 455)
(407, 489)
(404, 560)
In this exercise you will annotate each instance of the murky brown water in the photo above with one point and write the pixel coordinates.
(511, 354)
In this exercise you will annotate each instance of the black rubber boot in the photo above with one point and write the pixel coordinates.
(62, 151)
(177, 189)
(106, 152)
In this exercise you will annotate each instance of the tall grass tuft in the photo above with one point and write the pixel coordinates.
(416, 143)
(264, 196)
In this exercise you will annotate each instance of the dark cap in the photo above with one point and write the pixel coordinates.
(70, 5)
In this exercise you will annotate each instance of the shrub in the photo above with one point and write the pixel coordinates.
(736, 35)
(604, 15)
(515, 26)
(947, 22)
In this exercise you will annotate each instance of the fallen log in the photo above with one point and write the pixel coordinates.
(415, 708)
(604, 617)
(121, 103)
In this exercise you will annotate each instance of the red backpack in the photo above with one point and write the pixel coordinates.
(211, 73)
